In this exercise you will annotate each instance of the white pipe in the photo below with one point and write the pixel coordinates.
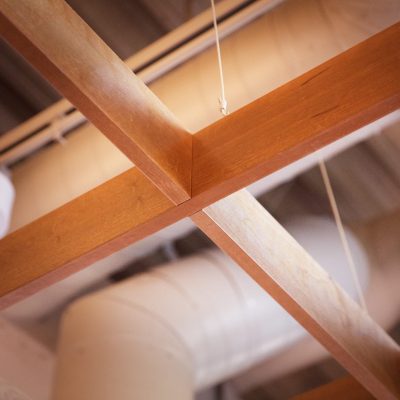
(200, 319)
(6, 202)
(380, 238)
(154, 71)
(11, 392)
(26, 366)
(54, 132)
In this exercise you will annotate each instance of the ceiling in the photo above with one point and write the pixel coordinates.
(366, 178)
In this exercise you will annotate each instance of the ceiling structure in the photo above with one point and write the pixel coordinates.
(127, 27)
(384, 145)
(24, 93)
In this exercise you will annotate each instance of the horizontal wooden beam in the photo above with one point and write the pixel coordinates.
(243, 229)
(93, 226)
(82, 67)
(326, 103)
(344, 388)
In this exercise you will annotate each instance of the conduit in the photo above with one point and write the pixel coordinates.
(184, 327)
(6, 202)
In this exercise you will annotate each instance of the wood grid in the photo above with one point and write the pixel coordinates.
(188, 175)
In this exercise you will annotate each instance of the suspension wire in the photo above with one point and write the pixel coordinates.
(324, 173)
(222, 99)
(342, 233)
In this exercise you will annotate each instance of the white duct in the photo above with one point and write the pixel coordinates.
(26, 366)
(11, 392)
(6, 203)
(184, 327)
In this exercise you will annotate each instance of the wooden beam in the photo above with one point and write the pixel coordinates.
(341, 95)
(219, 188)
(167, 50)
(93, 226)
(78, 63)
(242, 228)
(344, 388)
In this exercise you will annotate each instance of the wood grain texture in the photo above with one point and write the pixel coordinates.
(242, 228)
(330, 101)
(93, 226)
(345, 388)
(142, 60)
(80, 65)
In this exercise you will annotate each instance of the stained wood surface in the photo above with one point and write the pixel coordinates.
(341, 95)
(78, 63)
(243, 229)
(137, 61)
(345, 388)
(93, 226)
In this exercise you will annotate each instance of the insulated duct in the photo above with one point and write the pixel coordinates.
(185, 326)
(6, 202)
(26, 366)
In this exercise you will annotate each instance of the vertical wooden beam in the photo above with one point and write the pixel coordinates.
(77, 62)
(242, 228)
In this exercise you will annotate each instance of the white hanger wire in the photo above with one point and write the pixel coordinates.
(325, 177)
(222, 100)
(342, 233)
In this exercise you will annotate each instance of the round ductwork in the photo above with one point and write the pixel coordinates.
(6, 202)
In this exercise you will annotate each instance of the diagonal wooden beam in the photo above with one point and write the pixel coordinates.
(82, 67)
(243, 229)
